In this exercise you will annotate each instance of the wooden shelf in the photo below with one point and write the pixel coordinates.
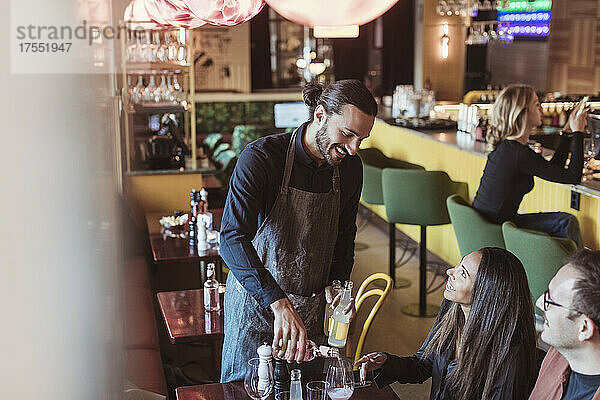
(159, 108)
(149, 67)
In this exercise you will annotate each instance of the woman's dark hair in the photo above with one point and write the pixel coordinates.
(337, 94)
(586, 296)
(499, 333)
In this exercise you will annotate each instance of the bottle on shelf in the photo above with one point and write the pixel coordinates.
(337, 288)
(313, 351)
(339, 330)
(295, 385)
(212, 301)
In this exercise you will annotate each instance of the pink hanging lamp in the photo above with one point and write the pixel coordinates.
(331, 12)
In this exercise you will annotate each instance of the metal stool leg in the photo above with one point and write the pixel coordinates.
(422, 309)
(399, 283)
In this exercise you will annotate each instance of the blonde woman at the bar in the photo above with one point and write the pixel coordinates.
(511, 166)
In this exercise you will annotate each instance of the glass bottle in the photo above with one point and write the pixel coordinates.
(212, 302)
(337, 288)
(138, 91)
(341, 321)
(313, 351)
(295, 385)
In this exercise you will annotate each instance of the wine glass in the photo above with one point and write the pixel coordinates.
(340, 379)
(258, 380)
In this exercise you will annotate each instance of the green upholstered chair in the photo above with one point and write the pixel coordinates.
(219, 149)
(244, 134)
(472, 230)
(542, 255)
(211, 142)
(374, 161)
(416, 197)
(225, 161)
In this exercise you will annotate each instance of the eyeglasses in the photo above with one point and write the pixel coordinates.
(547, 302)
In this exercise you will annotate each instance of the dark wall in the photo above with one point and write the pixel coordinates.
(350, 56)
(260, 66)
(398, 56)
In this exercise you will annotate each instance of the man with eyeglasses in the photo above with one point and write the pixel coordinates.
(571, 305)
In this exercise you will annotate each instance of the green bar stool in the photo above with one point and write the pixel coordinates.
(542, 255)
(374, 161)
(416, 197)
(472, 230)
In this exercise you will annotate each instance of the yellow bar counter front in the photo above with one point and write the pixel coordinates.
(464, 161)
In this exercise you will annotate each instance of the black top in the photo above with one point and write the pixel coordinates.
(253, 189)
(513, 384)
(509, 172)
(582, 387)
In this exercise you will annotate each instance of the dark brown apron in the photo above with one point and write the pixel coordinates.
(295, 243)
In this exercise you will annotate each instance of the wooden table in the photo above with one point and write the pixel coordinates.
(166, 248)
(185, 317)
(236, 391)
(175, 248)
(188, 322)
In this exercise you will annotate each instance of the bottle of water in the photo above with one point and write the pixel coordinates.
(313, 351)
(337, 288)
(341, 321)
(295, 385)
(212, 301)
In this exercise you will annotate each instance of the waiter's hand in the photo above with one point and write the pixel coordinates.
(289, 331)
(334, 301)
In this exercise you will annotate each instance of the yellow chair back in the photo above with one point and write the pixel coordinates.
(361, 296)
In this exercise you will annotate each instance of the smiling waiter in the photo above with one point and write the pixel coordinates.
(289, 225)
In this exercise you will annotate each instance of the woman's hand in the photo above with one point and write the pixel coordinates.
(578, 118)
(370, 362)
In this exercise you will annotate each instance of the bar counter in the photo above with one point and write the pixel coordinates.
(464, 160)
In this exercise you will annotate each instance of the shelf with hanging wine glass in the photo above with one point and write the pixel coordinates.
(157, 97)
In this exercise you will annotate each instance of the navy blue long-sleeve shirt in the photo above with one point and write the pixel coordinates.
(253, 189)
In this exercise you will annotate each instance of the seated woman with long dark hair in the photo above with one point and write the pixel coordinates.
(482, 345)
(511, 166)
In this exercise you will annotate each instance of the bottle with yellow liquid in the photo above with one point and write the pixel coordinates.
(339, 329)
(337, 288)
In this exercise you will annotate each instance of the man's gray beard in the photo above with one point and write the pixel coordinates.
(323, 144)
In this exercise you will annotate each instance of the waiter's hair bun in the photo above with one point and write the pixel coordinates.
(336, 95)
(311, 94)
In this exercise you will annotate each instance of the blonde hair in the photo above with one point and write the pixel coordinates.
(509, 113)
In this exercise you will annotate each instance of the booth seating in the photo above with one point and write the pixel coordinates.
(542, 255)
(143, 364)
(417, 197)
(473, 231)
(374, 161)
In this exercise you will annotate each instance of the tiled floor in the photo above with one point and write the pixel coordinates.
(393, 331)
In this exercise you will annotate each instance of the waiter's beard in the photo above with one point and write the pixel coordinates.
(328, 149)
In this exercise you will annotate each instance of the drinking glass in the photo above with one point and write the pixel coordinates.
(340, 379)
(282, 396)
(316, 390)
(258, 386)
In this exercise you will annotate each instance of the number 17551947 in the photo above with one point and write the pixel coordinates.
(43, 47)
